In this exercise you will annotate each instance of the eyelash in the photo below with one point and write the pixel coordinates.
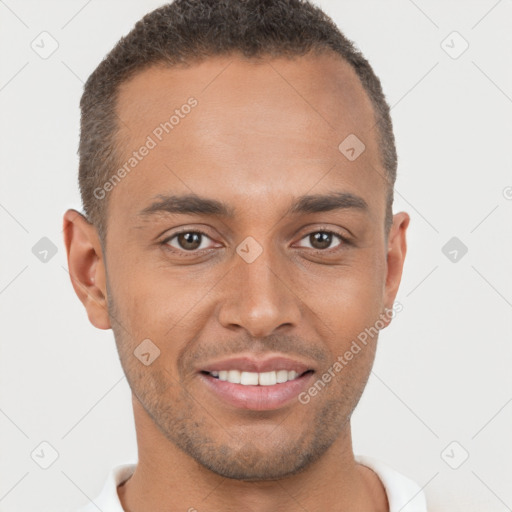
(183, 252)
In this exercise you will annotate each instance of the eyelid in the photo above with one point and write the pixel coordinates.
(344, 240)
(183, 229)
(167, 239)
(344, 234)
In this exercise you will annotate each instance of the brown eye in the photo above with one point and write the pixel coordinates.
(187, 240)
(322, 240)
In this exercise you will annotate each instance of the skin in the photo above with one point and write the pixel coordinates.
(262, 134)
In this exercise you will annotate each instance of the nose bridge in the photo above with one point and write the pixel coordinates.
(258, 296)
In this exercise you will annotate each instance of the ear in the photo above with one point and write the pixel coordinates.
(396, 250)
(86, 267)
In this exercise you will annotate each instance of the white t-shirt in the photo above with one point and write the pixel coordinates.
(403, 494)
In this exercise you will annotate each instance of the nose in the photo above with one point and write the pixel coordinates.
(259, 296)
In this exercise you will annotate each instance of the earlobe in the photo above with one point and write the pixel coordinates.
(397, 249)
(86, 266)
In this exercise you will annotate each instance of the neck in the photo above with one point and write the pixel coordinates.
(166, 478)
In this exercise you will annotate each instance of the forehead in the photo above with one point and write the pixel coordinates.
(246, 130)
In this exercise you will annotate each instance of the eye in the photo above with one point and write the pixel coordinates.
(187, 241)
(322, 240)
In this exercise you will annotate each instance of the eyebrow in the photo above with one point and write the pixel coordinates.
(197, 205)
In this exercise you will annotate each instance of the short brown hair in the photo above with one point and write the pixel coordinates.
(191, 30)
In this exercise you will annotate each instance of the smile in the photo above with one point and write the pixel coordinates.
(259, 385)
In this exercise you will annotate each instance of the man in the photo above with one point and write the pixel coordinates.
(237, 164)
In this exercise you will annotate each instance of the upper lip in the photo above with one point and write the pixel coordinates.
(251, 364)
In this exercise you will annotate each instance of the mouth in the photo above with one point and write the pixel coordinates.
(246, 383)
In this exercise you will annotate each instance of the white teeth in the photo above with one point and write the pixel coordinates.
(267, 378)
(281, 376)
(234, 376)
(253, 378)
(249, 379)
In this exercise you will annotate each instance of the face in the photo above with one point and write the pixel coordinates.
(215, 254)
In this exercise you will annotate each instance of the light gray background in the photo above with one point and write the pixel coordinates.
(442, 371)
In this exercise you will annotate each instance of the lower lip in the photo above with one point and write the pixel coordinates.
(257, 398)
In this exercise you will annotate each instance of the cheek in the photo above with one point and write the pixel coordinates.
(350, 308)
(151, 302)
(349, 298)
